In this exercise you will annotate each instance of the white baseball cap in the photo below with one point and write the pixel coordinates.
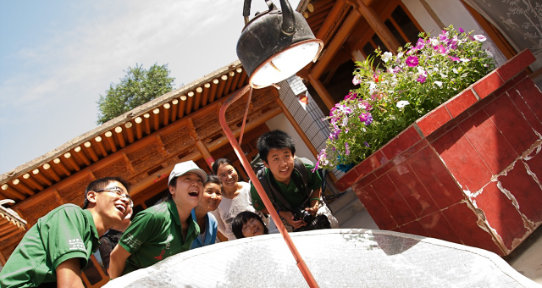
(186, 167)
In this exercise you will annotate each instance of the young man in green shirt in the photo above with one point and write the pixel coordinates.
(60, 243)
(162, 230)
(290, 184)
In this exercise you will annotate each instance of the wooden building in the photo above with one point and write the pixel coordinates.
(143, 145)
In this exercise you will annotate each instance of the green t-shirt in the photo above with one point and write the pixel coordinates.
(291, 191)
(64, 233)
(155, 234)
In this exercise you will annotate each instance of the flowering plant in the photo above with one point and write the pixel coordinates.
(411, 83)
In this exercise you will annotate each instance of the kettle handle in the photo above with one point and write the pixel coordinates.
(288, 19)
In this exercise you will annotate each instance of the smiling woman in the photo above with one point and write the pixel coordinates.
(162, 230)
(235, 197)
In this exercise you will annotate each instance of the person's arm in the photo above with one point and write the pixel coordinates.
(289, 217)
(68, 273)
(314, 201)
(117, 261)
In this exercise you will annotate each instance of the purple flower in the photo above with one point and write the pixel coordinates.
(366, 144)
(334, 135)
(346, 148)
(460, 30)
(412, 61)
(420, 44)
(421, 78)
(443, 36)
(366, 118)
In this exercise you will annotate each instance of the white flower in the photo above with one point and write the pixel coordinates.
(372, 87)
(400, 54)
(386, 57)
(434, 42)
(480, 38)
(438, 83)
(464, 60)
(402, 104)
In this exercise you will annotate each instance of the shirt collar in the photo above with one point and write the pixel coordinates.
(173, 210)
(88, 215)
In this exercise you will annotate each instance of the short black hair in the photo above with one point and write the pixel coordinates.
(275, 139)
(99, 184)
(219, 162)
(212, 179)
(241, 219)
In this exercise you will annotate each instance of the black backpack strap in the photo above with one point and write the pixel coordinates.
(300, 167)
(272, 192)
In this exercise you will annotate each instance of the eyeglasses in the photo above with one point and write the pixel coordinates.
(117, 190)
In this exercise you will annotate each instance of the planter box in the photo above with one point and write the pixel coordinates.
(469, 171)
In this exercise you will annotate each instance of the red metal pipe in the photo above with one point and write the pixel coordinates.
(259, 188)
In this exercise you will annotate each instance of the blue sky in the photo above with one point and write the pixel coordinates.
(57, 57)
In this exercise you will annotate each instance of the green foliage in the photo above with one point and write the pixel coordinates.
(136, 88)
(412, 82)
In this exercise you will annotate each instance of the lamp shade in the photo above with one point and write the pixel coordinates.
(275, 45)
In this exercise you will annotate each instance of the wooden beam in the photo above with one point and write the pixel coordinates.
(182, 105)
(12, 193)
(110, 142)
(336, 43)
(197, 99)
(214, 88)
(29, 181)
(41, 178)
(205, 95)
(378, 25)
(129, 132)
(120, 136)
(322, 92)
(174, 111)
(156, 119)
(100, 146)
(189, 102)
(80, 155)
(139, 127)
(50, 172)
(68, 159)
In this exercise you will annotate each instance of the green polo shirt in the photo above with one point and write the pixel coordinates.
(291, 191)
(64, 233)
(155, 234)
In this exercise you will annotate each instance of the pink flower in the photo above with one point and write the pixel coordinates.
(412, 61)
(350, 96)
(480, 38)
(441, 49)
(453, 58)
(421, 78)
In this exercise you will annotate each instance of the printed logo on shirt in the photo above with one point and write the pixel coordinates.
(76, 244)
(163, 251)
(131, 241)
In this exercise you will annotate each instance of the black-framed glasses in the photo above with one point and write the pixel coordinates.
(117, 190)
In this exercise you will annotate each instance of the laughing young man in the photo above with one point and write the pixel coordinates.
(294, 190)
(56, 248)
(162, 230)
